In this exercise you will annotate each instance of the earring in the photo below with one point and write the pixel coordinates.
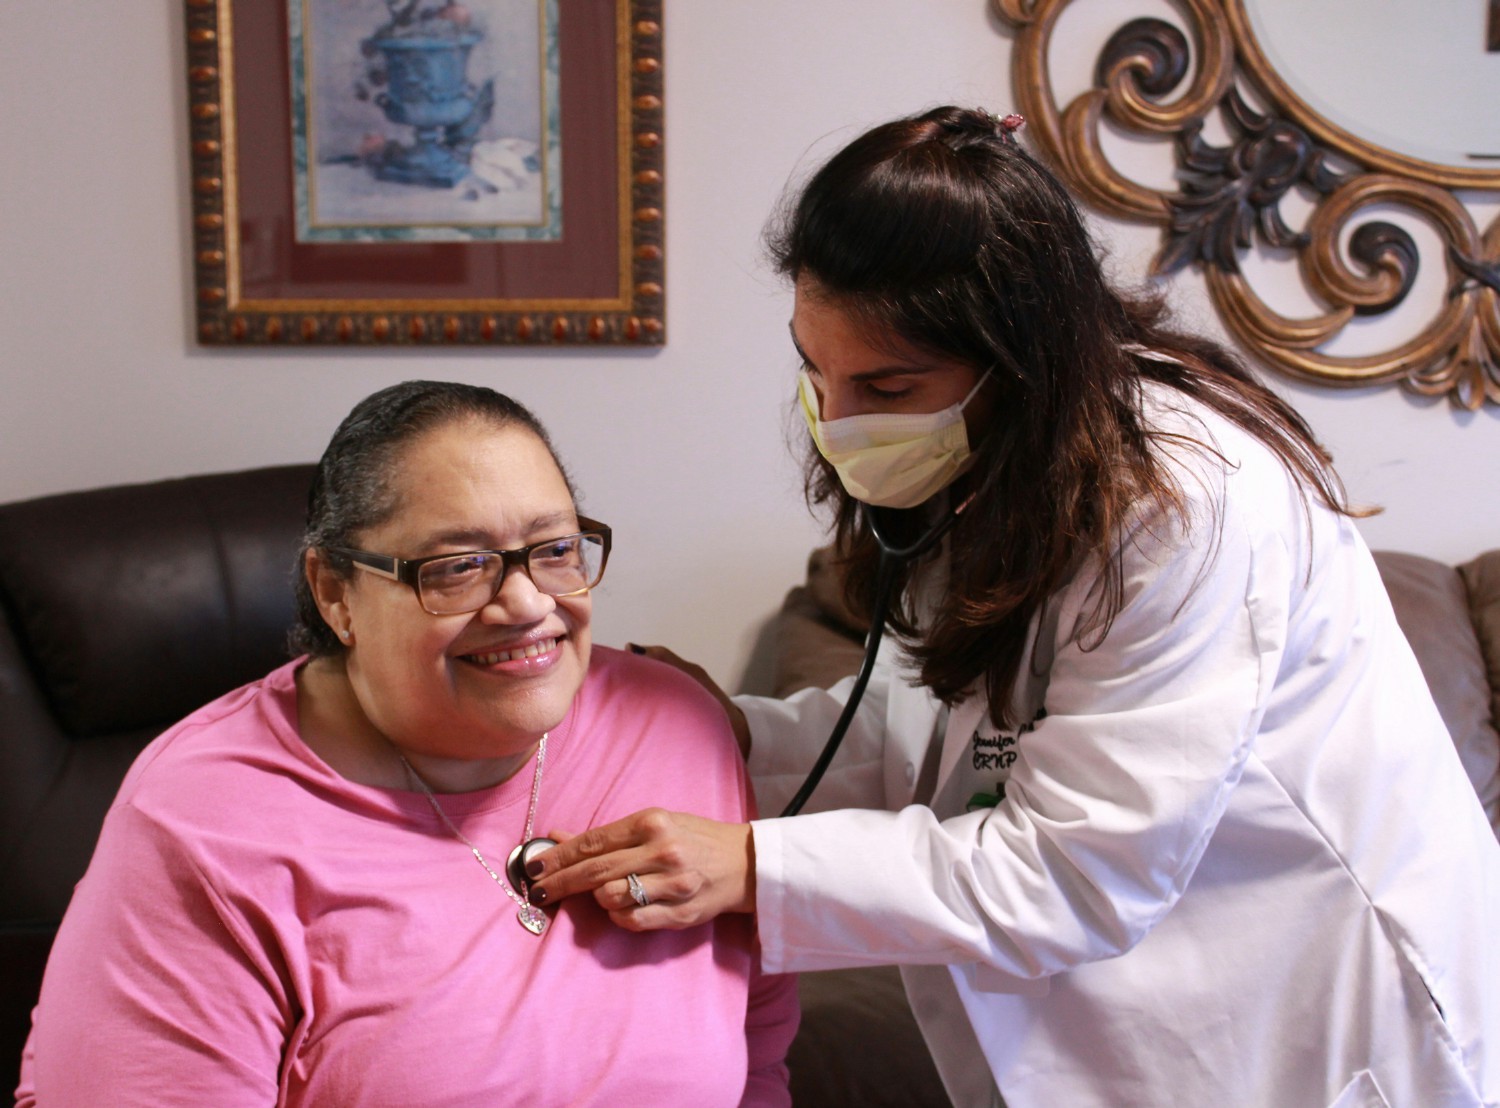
(344, 635)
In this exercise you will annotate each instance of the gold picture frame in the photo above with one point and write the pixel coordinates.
(599, 280)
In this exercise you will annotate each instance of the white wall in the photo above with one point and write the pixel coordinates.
(683, 449)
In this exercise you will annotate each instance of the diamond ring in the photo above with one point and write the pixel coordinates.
(637, 890)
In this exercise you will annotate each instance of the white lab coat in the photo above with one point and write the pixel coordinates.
(1237, 862)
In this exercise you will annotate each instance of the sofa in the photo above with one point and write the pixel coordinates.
(125, 608)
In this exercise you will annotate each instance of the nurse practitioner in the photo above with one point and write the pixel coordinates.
(1148, 798)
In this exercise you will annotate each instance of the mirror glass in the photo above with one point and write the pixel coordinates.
(1414, 76)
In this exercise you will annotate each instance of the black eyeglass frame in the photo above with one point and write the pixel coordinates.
(408, 570)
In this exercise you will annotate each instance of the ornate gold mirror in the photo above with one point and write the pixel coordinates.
(1270, 173)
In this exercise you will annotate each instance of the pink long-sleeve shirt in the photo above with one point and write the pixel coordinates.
(254, 929)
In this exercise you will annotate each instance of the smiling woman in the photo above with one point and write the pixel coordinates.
(463, 694)
(285, 906)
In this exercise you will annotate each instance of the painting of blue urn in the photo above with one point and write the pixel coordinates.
(425, 120)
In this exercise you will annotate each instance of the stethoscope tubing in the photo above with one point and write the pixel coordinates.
(892, 558)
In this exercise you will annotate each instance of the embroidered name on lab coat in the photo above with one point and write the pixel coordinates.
(994, 752)
(997, 749)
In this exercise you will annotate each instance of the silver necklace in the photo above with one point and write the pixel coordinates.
(530, 916)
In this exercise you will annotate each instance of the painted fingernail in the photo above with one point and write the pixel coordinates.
(634, 649)
(534, 868)
(539, 897)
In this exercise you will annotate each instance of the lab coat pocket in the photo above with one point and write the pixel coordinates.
(1362, 1092)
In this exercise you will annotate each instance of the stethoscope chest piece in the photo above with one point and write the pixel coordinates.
(515, 865)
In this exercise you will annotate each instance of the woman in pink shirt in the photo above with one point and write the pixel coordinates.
(300, 895)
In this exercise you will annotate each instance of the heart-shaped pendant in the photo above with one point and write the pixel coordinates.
(532, 918)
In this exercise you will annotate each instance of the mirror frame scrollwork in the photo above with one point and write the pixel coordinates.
(1228, 198)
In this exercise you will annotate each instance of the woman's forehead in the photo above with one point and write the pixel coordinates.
(478, 479)
(476, 445)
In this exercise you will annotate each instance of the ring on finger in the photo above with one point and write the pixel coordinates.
(637, 890)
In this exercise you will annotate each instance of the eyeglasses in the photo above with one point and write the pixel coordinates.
(451, 584)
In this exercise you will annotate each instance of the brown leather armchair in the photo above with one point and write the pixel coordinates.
(124, 609)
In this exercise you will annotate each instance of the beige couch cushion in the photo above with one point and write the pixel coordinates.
(1433, 606)
(816, 639)
(1481, 578)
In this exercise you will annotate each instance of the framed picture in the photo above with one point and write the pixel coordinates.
(427, 171)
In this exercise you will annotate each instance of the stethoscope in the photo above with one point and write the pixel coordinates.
(892, 558)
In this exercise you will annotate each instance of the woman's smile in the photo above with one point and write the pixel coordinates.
(532, 657)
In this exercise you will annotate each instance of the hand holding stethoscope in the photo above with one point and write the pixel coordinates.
(688, 869)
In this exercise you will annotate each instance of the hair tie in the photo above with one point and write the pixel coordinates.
(1010, 124)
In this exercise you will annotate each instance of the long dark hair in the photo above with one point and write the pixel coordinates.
(939, 230)
(354, 487)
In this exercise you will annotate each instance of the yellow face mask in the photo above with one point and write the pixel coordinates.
(891, 460)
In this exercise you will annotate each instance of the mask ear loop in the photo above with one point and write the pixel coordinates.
(979, 384)
(891, 559)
